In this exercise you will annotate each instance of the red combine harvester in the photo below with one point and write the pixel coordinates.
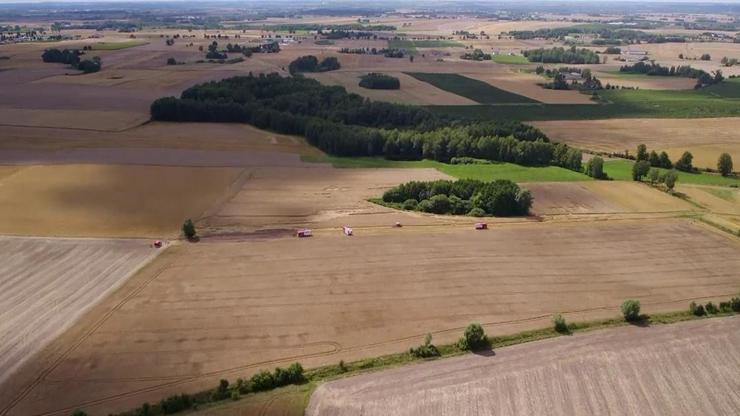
(304, 232)
(157, 244)
(346, 230)
(481, 226)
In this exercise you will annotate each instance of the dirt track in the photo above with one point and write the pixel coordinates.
(224, 309)
(47, 284)
(684, 369)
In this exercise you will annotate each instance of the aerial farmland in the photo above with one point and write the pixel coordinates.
(304, 209)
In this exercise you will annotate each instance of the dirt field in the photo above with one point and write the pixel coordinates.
(108, 200)
(706, 139)
(225, 308)
(684, 369)
(47, 284)
(599, 197)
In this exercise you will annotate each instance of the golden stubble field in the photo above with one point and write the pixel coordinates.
(224, 309)
(682, 369)
(705, 138)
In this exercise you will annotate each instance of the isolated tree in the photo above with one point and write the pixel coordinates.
(684, 163)
(724, 164)
(670, 179)
(631, 310)
(474, 338)
(188, 229)
(640, 169)
(642, 153)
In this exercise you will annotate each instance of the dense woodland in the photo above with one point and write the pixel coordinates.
(502, 198)
(561, 55)
(345, 124)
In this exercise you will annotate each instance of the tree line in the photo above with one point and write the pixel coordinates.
(345, 124)
(502, 198)
(71, 57)
(650, 68)
(562, 55)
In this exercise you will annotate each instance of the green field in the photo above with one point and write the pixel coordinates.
(496, 170)
(721, 100)
(411, 45)
(510, 59)
(114, 46)
(621, 170)
(477, 91)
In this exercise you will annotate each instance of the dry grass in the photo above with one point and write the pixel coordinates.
(224, 309)
(108, 200)
(682, 369)
(706, 139)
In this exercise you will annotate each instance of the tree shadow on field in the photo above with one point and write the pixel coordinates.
(642, 321)
(485, 352)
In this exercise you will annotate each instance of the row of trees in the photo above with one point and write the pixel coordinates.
(377, 81)
(387, 52)
(502, 198)
(310, 63)
(476, 55)
(702, 77)
(346, 124)
(562, 55)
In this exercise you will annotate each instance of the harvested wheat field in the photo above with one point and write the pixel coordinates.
(526, 84)
(108, 200)
(318, 196)
(705, 138)
(683, 369)
(47, 284)
(600, 197)
(412, 90)
(224, 309)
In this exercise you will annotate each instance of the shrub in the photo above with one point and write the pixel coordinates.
(176, 403)
(725, 307)
(424, 206)
(474, 338)
(410, 204)
(559, 323)
(263, 380)
(425, 350)
(477, 212)
(171, 61)
(696, 310)
(235, 395)
(711, 308)
(631, 310)
(79, 412)
(735, 304)
(440, 204)
(342, 366)
(188, 229)
(670, 179)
